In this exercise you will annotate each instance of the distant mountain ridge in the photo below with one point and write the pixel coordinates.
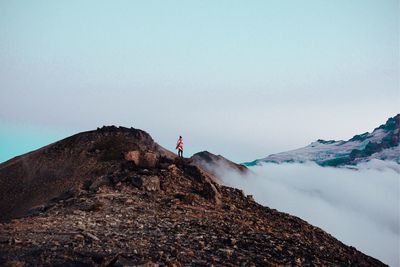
(382, 143)
(213, 164)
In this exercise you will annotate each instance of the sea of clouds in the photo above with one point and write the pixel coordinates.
(358, 205)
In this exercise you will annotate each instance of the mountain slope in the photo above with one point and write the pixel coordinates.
(113, 197)
(382, 143)
(213, 164)
(38, 176)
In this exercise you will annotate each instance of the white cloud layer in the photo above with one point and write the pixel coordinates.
(359, 207)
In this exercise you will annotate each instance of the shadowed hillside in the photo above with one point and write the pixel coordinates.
(64, 166)
(113, 197)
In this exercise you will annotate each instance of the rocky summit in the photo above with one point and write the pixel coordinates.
(114, 197)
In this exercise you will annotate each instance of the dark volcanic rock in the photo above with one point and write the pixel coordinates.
(41, 175)
(92, 208)
(149, 183)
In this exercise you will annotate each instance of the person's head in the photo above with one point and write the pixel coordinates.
(180, 137)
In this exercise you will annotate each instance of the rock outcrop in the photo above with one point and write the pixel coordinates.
(113, 197)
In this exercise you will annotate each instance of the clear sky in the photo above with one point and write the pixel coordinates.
(239, 78)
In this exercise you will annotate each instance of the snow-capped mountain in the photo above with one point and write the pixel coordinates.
(382, 143)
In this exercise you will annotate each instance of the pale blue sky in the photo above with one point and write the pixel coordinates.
(239, 78)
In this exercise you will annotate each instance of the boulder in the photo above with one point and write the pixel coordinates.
(144, 160)
(133, 156)
(149, 160)
(100, 181)
(211, 192)
(250, 198)
(173, 169)
(148, 183)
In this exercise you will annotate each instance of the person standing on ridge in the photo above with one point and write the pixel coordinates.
(179, 146)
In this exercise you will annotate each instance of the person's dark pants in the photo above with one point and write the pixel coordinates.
(180, 153)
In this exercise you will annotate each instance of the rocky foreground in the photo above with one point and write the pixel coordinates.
(142, 206)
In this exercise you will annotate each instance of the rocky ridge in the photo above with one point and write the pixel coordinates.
(214, 164)
(113, 197)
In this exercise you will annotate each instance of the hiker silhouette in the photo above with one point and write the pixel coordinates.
(179, 146)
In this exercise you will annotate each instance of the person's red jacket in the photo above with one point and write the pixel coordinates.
(179, 144)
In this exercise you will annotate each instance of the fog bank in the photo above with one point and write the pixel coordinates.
(359, 207)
